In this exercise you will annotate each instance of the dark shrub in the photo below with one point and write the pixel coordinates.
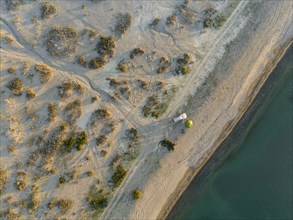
(44, 71)
(15, 86)
(136, 194)
(97, 63)
(169, 144)
(119, 175)
(136, 52)
(47, 10)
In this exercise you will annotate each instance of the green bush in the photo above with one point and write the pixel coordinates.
(185, 70)
(213, 18)
(106, 46)
(119, 175)
(97, 199)
(132, 134)
(62, 180)
(90, 173)
(15, 86)
(97, 63)
(137, 194)
(69, 144)
(122, 67)
(155, 22)
(82, 138)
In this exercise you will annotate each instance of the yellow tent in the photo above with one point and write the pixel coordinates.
(188, 123)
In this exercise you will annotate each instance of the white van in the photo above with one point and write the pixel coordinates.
(180, 118)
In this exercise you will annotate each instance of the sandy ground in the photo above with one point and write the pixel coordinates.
(161, 175)
(225, 62)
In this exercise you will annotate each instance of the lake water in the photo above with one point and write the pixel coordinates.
(251, 178)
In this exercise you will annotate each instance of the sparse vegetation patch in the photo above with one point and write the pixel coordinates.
(73, 111)
(167, 143)
(155, 22)
(66, 89)
(101, 140)
(163, 65)
(119, 175)
(11, 70)
(122, 66)
(106, 46)
(171, 20)
(12, 5)
(53, 111)
(81, 61)
(183, 65)
(61, 41)
(136, 52)
(157, 104)
(97, 199)
(15, 86)
(44, 71)
(30, 93)
(48, 10)
(123, 23)
(97, 62)
(213, 18)
(3, 179)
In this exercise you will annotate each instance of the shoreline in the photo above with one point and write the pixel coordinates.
(254, 92)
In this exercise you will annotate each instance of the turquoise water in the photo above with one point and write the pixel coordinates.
(254, 179)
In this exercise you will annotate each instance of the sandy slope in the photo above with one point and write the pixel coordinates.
(160, 173)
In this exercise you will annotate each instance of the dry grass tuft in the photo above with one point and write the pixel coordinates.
(52, 111)
(15, 86)
(136, 52)
(123, 23)
(30, 93)
(73, 111)
(48, 10)
(44, 71)
(3, 179)
(11, 70)
(171, 20)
